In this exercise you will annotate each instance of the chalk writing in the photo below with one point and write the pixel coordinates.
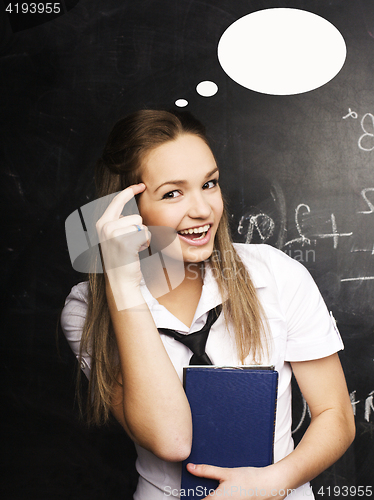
(366, 132)
(371, 250)
(366, 140)
(303, 415)
(369, 407)
(263, 223)
(301, 239)
(265, 226)
(362, 278)
(369, 404)
(351, 114)
(368, 202)
(334, 235)
(352, 397)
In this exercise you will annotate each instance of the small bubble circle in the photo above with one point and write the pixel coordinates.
(207, 88)
(181, 103)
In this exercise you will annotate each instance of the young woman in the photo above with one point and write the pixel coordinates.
(272, 313)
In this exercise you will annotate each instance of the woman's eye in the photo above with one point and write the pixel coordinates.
(171, 194)
(211, 184)
(176, 193)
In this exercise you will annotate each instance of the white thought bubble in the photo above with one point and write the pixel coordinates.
(281, 51)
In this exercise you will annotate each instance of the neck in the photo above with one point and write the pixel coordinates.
(194, 272)
(183, 300)
(192, 281)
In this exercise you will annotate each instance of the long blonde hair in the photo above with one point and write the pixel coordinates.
(119, 167)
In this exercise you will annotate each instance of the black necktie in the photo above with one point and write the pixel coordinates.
(196, 341)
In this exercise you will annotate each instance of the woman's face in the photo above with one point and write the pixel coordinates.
(182, 192)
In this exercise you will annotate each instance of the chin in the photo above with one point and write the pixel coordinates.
(198, 255)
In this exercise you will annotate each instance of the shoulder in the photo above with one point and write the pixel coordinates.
(73, 317)
(74, 312)
(79, 292)
(263, 254)
(287, 291)
(268, 265)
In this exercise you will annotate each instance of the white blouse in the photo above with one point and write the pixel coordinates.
(301, 329)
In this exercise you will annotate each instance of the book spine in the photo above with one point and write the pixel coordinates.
(275, 382)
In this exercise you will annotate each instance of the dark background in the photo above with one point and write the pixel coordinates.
(64, 82)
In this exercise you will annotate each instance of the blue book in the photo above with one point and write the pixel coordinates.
(233, 418)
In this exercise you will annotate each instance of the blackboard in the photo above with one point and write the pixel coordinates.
(298, 171)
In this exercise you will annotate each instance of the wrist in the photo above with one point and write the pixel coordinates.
(287, 475)
(123, 296)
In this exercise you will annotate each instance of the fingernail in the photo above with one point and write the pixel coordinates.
(193, 466)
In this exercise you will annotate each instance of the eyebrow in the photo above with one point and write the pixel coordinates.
(181, 183)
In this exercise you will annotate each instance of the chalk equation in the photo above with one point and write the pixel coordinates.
(334, 234)
(264, 226)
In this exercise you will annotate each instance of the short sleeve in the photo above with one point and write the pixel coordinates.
(311, 329)
(73, 317)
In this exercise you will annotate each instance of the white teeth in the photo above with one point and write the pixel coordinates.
(202, 229)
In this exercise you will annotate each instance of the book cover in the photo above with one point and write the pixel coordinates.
(233, 417)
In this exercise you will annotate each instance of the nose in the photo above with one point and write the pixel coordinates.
(199, 207)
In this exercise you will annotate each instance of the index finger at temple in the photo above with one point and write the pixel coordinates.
(115, 207)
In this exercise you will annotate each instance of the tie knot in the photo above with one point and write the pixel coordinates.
(196, 341)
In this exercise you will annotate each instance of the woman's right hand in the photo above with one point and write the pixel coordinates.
(121, 242)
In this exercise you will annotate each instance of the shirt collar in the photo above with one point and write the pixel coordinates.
(258, 278)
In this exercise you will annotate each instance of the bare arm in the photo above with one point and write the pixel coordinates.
(332, 427)
(151, 403)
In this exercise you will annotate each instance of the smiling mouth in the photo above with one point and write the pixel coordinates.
(197, 233)
(195, 230)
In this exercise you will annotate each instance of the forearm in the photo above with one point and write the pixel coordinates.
(332, 427)
(325, 441)
(155, 408)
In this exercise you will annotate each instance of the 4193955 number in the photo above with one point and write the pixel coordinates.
(345, 491)
(34, 8)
